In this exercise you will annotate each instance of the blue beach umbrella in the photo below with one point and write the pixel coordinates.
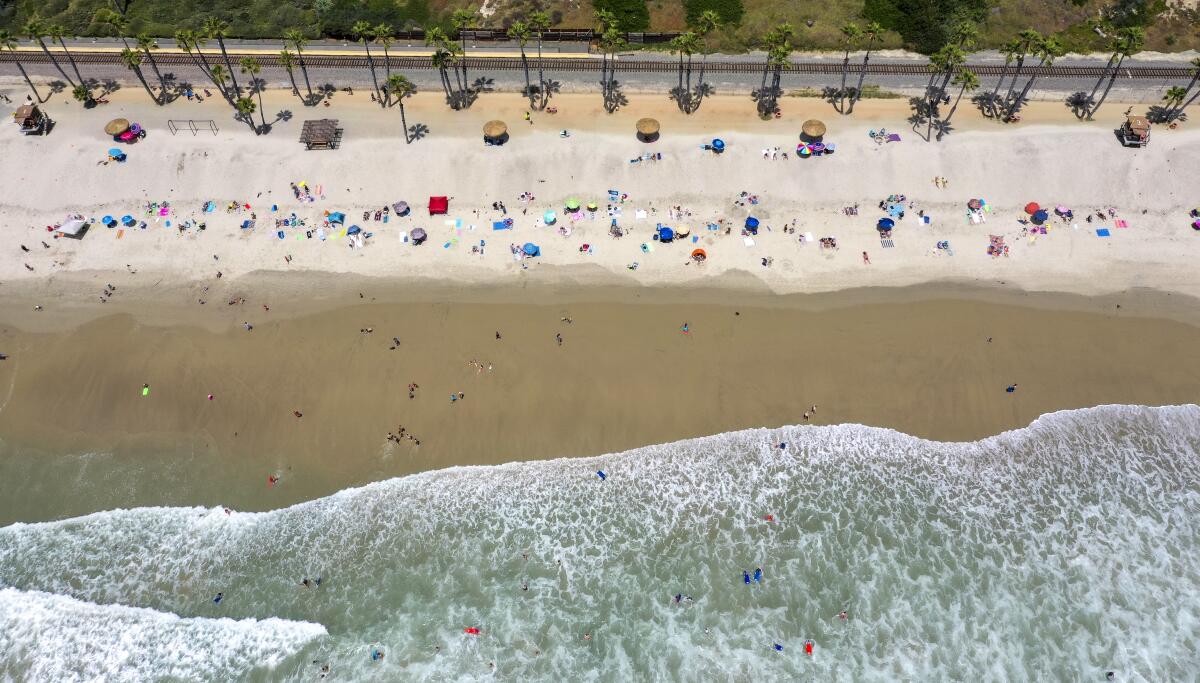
(354, 230)
(127, 219)
(885, 224)
(531, 249)
(549, 218)
(108, 220)
(115, 152)
(665, 234)
(751, 222)
(1040, 217)
(718, 145)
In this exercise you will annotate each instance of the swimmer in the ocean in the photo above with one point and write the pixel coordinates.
(746, 577)
(758, 574)
(217, 600)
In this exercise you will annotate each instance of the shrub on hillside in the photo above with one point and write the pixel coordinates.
(730, 11)
(631, 15)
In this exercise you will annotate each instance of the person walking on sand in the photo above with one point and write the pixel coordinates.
(559, 338)
(866, 259)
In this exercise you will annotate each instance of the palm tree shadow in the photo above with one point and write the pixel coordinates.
(921, 113)
(106, 86)
(833, 96)
(766, 99)
(1161, 114)
(1079, 103)
(614, 97)
(56, 87)
(417, 131)
(483, 84)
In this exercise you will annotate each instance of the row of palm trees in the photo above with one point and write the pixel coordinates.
(947, 68)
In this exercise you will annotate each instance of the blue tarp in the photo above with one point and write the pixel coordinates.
(531, 249)
(337, 217)
(502, 225)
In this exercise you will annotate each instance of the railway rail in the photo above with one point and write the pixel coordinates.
(627, 65)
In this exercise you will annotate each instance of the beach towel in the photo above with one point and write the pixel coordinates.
(120, 233)
(1120, 223)
(808, 237)
(321, 234)
(1103, 232)
(749, 242)
(404, 237)
(280, 234)
(893, 137)
(501, 225)
(639, 214)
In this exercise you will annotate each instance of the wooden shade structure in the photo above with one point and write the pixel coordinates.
(495, 132)
(647, 130)
(116, 126)
(813, 129)
(321, 134)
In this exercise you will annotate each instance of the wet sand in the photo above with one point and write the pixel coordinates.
(917, 360)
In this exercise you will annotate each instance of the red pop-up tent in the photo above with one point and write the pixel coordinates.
(438, 205)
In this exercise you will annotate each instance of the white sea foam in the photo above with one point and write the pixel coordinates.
(47, 637)
(1052, 552)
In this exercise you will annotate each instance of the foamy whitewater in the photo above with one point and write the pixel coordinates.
(1055, 552)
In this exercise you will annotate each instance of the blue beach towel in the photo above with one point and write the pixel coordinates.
(1103, 232)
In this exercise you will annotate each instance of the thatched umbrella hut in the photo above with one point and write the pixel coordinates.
(116, 126)
(812, 130)
(647, 130)
(495, 132)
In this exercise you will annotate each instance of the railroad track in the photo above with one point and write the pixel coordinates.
(627, 65)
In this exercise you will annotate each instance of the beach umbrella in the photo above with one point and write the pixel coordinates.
(804, 151)
(495, 131)
(751, 222)
(1032, 208)
(813, 129)
(353, 230)
(572, 204)
(531, 249)
(337, 217)
(116, 126)
(885, 224)
(114, 152)
(682, 232)
(665, 234)
(135, 128)
(1196, 224)
(127, 219)
(817, 147)
(974, 204)
(647, 130)
(592, 206)
(700, 255)
(718, 145)
(401, 208)
(418, 235)
(549, 218)
(1040, 217)
(107, 220)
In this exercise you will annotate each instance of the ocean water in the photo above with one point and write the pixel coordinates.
(1055, 552)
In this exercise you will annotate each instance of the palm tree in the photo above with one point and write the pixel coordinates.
(59, 32)
(966, 81)
(442, 60)
(1177, 112)
(686, 44)
(132, 60)
(1127, 42)
(365, 33)
(82, 94)
(1047, 50)
(219, 76)
(189, 42)
(36, 29)
(1027, 42)
(1009, 50)
(385, 35)
(116, 20)
(288, 61)
(872, 32)
(296, 37)
(401, 88)
(1174, 97)
(708, 22)
(851, 34)
(779, 51)
(944, 64)
(245, 109)
(252, 68)
(519, 31)
(7, 42)
(539, 22)
(146, 44)
(218, 29)
(463, 19)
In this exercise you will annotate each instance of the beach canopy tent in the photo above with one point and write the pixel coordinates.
(680, 233)
(401, 208)
(665, 234)
(337, 217)
(812, 130)
(321, 134)
(752, 224)
(647, 130)
(885, 224)
(1196, 225)
(1032, 208)
(128, 220)
(439, 205)
(718, 145)
(116, 126)
(531, 249)
(74, 227)
(418, 235)
(495, 132)
(108, 220)
(549, 218)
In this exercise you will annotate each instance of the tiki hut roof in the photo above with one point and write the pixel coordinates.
(647, 127)
(494, 129)
(116, 126)
(813, 128)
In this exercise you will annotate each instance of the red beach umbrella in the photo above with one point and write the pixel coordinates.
(1032, 208)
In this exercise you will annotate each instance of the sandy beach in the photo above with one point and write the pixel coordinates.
(775, 323)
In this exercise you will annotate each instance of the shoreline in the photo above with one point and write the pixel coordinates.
(625, 377)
